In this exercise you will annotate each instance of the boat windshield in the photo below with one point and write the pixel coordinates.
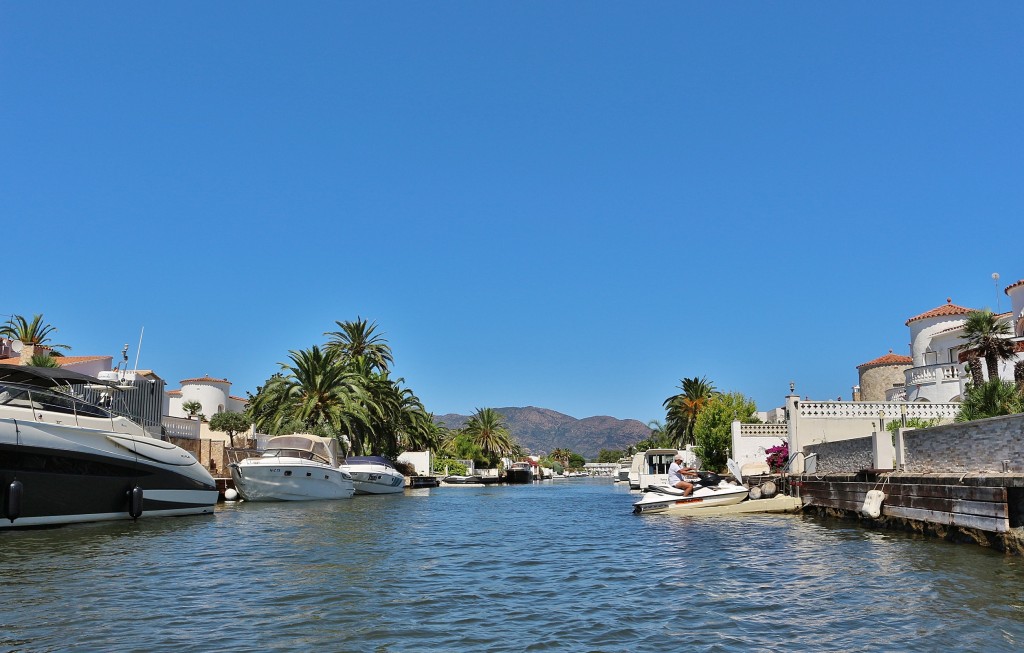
(294, 453)
(19, 396)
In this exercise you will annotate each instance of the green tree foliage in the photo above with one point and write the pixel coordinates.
(988, 337)
(344, 390)
(912, 423)
(487, 429)
(43, 359)
(576, 461)
(713, 428)
(990, 399)
(230, 423)
(193, 408)
(34, 332)
(609, 455)
(356, 339)
(683, 410)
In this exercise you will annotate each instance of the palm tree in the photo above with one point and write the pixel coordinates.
(358, 340)
(989, 338)
(32, 333)
(486, 427)
(316, 393)
(683, 408)
(990, 399)
(562, 456)
(192, 408)
(43, 359)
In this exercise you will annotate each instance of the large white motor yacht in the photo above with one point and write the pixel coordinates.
(65, 460)
(298, 467)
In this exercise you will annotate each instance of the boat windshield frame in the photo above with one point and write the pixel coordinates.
(284, 452)
(29, 397)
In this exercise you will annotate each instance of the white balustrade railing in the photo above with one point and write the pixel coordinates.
(769, 430)
(871, 409)
(180, 427)
(928, 374)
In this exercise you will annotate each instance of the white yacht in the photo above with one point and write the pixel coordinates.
(66, 460)
(654, 467)
(374, 475)
(298, 467)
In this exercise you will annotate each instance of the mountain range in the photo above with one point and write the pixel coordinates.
(543, 430)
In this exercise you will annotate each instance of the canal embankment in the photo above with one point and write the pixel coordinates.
(962, 482)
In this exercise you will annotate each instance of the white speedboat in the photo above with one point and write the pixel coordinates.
(374, 475)
(709, 492)
(67, 460)
(298, 467)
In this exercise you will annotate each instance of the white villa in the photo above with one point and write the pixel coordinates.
(928, 384)
(214, 395)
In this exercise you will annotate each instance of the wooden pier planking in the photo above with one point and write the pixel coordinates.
(983, 508)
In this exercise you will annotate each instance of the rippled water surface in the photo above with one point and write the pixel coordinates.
(548, 567)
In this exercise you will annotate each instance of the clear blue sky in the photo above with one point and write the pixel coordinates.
(570, 205)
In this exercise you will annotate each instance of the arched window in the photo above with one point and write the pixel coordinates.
(220, 408)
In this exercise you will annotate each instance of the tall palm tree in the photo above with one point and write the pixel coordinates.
(988, 337)
(683, 408)
(315, 392)
(35, 332)
(486, 427)
(562, 456)
(357, 339)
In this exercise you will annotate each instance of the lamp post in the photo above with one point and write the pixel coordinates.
(995, 284)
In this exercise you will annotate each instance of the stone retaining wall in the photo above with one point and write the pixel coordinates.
(978, 446)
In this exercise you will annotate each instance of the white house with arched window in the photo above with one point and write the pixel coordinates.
(938, 372)
(214, 395)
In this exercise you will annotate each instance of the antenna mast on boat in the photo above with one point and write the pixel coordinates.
(139, 350)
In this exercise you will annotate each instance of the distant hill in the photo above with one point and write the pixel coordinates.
(540, 429)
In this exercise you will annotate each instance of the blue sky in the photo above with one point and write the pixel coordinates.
(570, 205)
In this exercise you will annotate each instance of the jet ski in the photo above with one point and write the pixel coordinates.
(709, 490)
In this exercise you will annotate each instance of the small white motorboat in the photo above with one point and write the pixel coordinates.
(710, 491)
(374, 475)
(297, 467)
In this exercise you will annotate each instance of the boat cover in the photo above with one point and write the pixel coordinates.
(45, 377)
(368, 460)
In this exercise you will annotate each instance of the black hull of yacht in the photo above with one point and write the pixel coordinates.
(518, 476)
(44, 487)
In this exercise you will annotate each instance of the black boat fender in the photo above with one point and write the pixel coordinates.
(12, 501)
(135, 502)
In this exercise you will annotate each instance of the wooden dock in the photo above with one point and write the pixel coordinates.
(983, 508)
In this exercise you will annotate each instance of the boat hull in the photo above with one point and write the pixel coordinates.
(702, 499)
(377, 482)
(374, 475)
(518, 476)
(72, 475)
(270, 479)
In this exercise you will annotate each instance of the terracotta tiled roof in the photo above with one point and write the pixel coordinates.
(67, 360)
(888, 359)
(205, 379)
(948, 309)
(60, 360)
(174, 393)
(1013, 285)
(243, 399)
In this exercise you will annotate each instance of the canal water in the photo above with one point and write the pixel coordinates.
(558, 566)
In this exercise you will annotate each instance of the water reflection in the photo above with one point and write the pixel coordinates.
(553, 567)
